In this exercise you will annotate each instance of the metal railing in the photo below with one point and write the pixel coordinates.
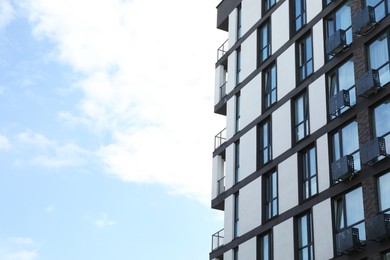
(219, 139)
(222, 90)
(221, 185)
(222, 50)
(217, 240)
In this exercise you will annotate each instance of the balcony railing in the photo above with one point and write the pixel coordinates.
(219, 139)
(217, 240)
(338, 102)
(378, 227)
(364, 21)
(372, 150)
(348, 241)
(222, 50)
(222, 90)
(368, 84)
(221, 185)
(343, 168)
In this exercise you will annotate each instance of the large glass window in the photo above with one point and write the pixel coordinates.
(264, 247)
(343, 78)
(305, 237)
(381, 8)
(381, 121)
(270, 185)
(305, 57)
(267, 4)
(386, 256)
(264, 137)
(236, 215)
(238, 114)
(341, 19)
(308, 171)
(301, 117)
(350, 213)
(269, 86)
(264, 39)
(384, 192)
(299, 14)
(238, 66)
(346, 142)
(379, 58)
(236, 161)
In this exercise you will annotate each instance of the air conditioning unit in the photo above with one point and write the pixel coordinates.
(336, 43)
(370, 151)
(348, 241)
(378, 227)
(368, 84)
(364, 21)
(343, 169)
(338, 102)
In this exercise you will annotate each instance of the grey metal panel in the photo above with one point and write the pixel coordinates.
(223, 10)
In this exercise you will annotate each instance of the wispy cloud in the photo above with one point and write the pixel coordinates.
(7, 13)
(50, 209)
(31, 138)
(150, 89)
(22, 255)
(103, 221)
(21, 241)
(4, 143)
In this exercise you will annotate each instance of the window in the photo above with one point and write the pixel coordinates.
(238, 66)
(268, 4)
(326, 2)
(349, 212)
(236, 215)
(235, 253)
(379, 58)
(342, 78)
(236, 161)
(305, 242)
(264, 39)
(237, 126)
(308, 172)
(384, 192)
(305, 58)
(346, 142)
(301, 117)
(270, 188)
(269, 86)
(341, 19)
(239, 22)
(299, 14)
(381, 122)
(264, 137)
(264, 247)
(381, 8)
(386, 256)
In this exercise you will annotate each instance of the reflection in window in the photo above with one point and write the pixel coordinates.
(238, 114)
(384, 192)
(271, 195)
(239, 22)
(379, 58)
(237, 161)
(238, 66)
(264, 42)
(305, 58)
(264, 136)
(267, 4)
(381, 8)
(350, 213)
(301, 117)
(381, 121)
(343, 78)
(299, 14)
(346, 142)
(305, 237)
(236, 215)
(308, 169)
(264, 247)
(269, 83)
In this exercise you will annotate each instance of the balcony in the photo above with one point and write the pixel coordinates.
(222, 50)
(378, 227)
(372, 150)
(221, 186)
(336, 43)
(364, 21)
(338, 102)
(368, 84)
(219, 139)
(343, 169)
(222, 90)
(348, 241)
(217, 240)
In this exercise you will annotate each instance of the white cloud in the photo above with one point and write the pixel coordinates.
(21, 241)
(7, 13)
(4, 143)
(50, 209)
(22, 255)
(148, 82)
(68, 155)
(35, 139)
(104, 221)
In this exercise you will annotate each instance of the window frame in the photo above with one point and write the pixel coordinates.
(301, 60)
(305, 175)
(309, 236)
(385, 33)
(385, 210)
(236, 216)
(260, 246)
(237, 112)
(295, 17)
(267, 5)
(268, 46)
(236, 161)
(239, 22)
(238, 66)
(270, 195)
(269, 91)
(386, 8)
(306, 117)
(262, 147)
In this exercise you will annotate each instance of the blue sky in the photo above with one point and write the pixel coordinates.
(106, 130)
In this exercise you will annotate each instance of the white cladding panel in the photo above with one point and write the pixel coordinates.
(232, 28)
(323, 163)
(248, 49)
(228, 227)
(229, 153)
(322, 223)
(219, 79)
(288, 183)
(281, 130)
(218, 173)
(284, 240)
(318, 45)
(251, 10)
(248, 153)
(231, 117)
(286, 72)
(313, 7)
(251, 101)
(317, 104)
(231, 78)
(250, 206)
(280, 27)
(247, 250)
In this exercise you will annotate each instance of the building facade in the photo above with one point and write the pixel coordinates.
(302, 169)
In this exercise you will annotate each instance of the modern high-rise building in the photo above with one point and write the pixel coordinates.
(302, 169)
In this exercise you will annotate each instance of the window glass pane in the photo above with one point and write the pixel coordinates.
(354, 206)
(350, 138)
(384, 192)
(343, 20)
(386, 256)
(339, 214)
(313, 186)
(313, 169)
(382, 119)
(379, 58)
(346, 75)
(303, 232)
(336, 147)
